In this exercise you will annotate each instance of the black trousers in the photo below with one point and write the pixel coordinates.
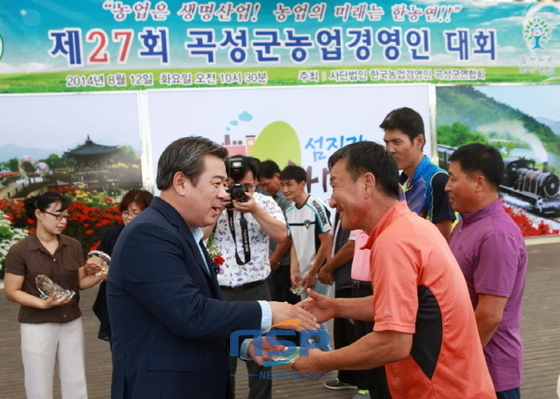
(259, 388)
(279, 285)
(376, 378)
(344, 334)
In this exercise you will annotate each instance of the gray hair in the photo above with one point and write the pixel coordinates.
(186, 155)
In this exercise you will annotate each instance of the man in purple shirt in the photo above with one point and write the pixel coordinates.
(492, 255)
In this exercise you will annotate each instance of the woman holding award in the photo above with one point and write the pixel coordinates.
(51, 328)
(132, 204)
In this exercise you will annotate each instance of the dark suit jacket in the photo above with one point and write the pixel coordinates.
(170, 327)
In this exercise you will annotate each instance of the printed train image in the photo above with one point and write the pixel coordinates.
(537, 189)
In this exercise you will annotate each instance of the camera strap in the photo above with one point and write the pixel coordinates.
(244, 236)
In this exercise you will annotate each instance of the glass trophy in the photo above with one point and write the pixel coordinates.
(47, 287)
(297, 290)
(289, 359)
(101, 258)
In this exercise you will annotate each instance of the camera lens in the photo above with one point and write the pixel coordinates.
(237, 192)
(238, 195)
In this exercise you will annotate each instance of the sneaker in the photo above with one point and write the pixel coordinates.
(362, 394)
(337, 384)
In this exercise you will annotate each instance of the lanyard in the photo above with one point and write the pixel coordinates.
(244, 235)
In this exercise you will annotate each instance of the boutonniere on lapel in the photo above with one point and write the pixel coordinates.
(215, 255)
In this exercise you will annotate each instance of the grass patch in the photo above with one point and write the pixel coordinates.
(54, 82)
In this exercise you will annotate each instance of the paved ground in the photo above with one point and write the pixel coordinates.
(541, 334)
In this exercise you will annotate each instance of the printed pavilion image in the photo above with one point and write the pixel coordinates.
(92, 154)
(103, 167)
(92, 166)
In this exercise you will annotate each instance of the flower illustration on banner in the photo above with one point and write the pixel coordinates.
(215, 254)
(536, 32)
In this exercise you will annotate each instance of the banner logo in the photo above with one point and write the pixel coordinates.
(536, 32)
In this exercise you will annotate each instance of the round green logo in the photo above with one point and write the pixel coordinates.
(278, 141)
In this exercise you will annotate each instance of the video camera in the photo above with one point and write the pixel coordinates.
(236, 168)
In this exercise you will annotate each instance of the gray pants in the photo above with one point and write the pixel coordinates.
(259, 388)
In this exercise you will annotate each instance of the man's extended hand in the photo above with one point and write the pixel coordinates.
(311, 362)
(283, 311)
(320, 306)
(266, 347)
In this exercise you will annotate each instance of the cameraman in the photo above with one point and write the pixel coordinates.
(242, 236)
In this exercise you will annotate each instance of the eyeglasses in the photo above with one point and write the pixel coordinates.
(60, 216)
(131, 215)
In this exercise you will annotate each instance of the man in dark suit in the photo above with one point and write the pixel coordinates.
(170, 327)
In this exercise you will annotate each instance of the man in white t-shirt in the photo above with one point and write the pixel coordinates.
(309, 226)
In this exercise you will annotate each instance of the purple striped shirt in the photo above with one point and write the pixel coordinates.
(490, 249)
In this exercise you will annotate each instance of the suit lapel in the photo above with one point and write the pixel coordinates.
(176, 220)
(185, 232)
(209, 274)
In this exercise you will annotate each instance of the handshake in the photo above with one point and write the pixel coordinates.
(301, 317)
(309, 312)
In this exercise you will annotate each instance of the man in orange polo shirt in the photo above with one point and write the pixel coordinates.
(425, 331)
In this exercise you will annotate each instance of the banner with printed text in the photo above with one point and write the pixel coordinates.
(94, 45)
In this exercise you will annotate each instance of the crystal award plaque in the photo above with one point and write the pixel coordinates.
(102, 258)
(47, 287)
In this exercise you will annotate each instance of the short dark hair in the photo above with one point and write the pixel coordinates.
(142, 198)
(406, 120)
(43, 201)
(268, 169)
(186, 155)
(367, 156)
(294, 172)
(480, 158)
(250, 164)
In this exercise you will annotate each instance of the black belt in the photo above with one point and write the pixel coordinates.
(243, 287)
(361, 284)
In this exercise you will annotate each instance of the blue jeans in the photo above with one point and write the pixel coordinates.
(514, 393)
(322, 289)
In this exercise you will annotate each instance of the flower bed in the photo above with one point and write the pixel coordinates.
(527, 226)
(9, 235)
(90, 213)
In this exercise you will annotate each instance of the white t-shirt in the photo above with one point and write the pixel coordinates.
(305, 224)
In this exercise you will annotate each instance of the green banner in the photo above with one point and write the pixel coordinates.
(94, 45)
